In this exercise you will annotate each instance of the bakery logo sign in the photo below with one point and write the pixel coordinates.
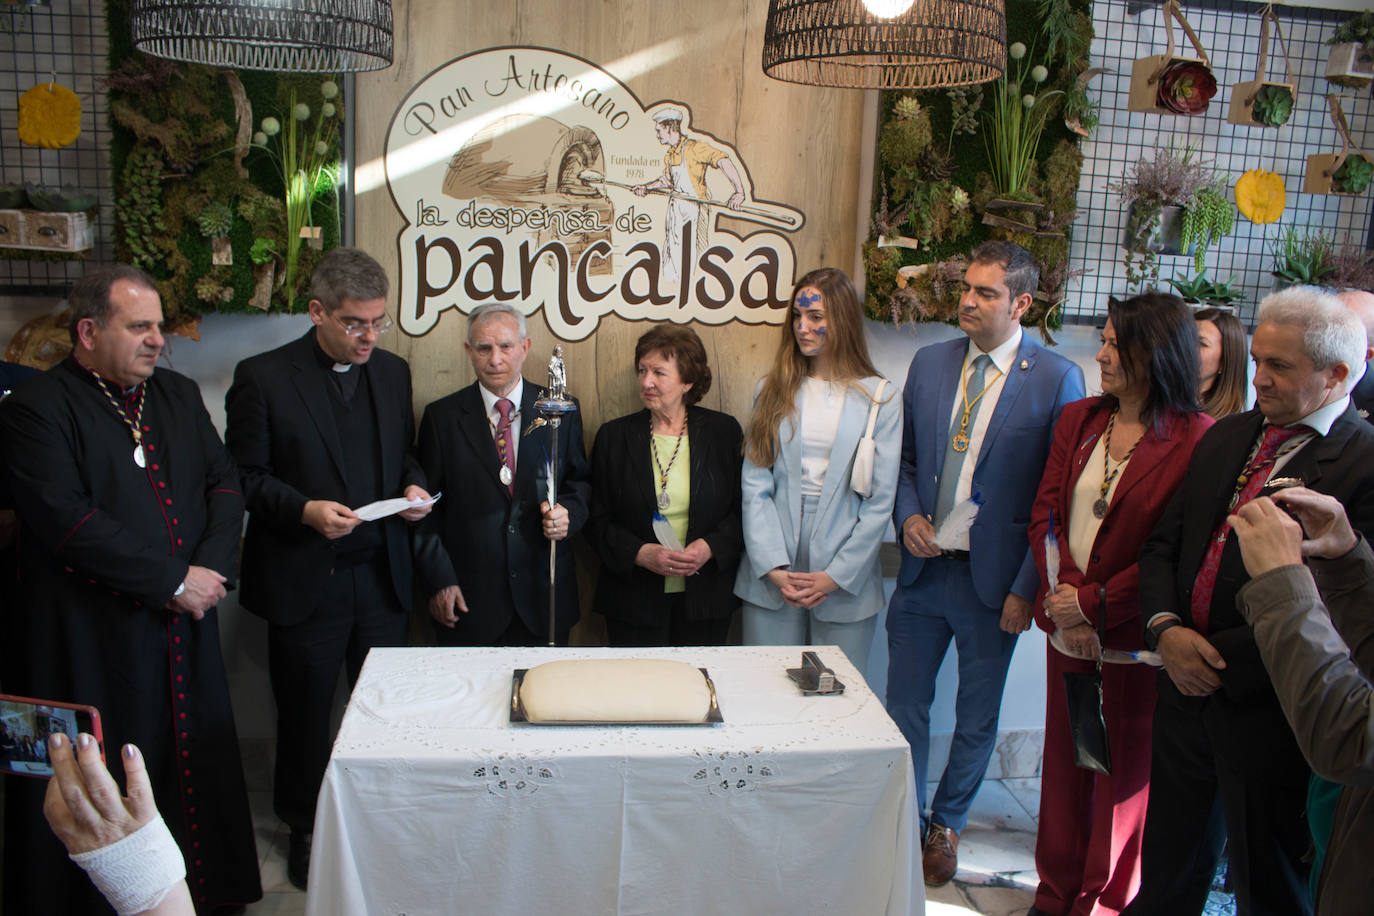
(530, 176)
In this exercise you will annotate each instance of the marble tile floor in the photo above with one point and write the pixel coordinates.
(996, 874)
(279, 896)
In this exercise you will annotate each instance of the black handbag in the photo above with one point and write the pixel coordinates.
(1083, 691)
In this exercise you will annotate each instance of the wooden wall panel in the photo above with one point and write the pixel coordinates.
(800, 145)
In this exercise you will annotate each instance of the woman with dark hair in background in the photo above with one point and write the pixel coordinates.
(1221, 378)
(812, 574)
(1115, 462)
(675, 464)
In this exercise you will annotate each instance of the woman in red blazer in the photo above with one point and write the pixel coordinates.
(1114, 464)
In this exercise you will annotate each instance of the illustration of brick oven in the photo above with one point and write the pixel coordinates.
(533, 162)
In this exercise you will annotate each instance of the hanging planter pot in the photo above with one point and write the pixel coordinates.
(1348, 172)
(1350, 63)
(1153, 230)
(1261, 102)
(1169, 83)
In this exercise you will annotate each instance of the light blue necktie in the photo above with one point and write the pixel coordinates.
(954, 460)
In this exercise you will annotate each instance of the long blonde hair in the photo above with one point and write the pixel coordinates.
(848, 361)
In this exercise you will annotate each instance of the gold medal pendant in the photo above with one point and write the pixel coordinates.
(960, 441)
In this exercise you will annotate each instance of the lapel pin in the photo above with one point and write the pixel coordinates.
(1025, 364)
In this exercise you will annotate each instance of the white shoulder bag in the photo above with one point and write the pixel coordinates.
(861, 480)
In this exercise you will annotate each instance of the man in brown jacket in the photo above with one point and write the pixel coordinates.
(1316, 637)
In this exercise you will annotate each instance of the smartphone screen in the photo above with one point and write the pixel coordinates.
(26, 723)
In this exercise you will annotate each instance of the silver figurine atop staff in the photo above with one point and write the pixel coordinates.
(552, 406)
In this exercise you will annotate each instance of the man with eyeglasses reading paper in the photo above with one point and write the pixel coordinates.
(320, 427)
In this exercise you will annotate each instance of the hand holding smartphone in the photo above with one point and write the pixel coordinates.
(26, 723)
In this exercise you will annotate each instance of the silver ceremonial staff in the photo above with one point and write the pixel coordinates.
(552, 406)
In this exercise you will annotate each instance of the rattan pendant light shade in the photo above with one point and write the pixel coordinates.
(288, 36)
(842, 43)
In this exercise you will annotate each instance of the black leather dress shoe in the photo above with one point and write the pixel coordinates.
(298, 859)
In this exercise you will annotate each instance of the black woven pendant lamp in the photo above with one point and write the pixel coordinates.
(287, 36)
(885, 44)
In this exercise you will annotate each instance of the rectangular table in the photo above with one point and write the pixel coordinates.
(434, 803)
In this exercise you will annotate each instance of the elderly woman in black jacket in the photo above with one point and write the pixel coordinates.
(665, 514)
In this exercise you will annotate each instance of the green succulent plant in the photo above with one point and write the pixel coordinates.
(1209, 218)
(1358, 28)
(216, 220)
(261, 251)
(1200, 290)
(907, 107)
(1303, 256)
(1273, 106)
(1353, 176)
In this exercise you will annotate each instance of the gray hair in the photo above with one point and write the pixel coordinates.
(1330, 332)
(90, 297)
(493, 310)
(348, 273)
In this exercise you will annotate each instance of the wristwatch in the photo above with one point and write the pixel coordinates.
(1155, 630)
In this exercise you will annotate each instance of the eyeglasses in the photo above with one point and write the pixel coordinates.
(359, 328)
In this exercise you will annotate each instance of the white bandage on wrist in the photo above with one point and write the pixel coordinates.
(136, 872)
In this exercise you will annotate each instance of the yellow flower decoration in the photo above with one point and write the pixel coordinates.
(49, 116)
(1260, 196)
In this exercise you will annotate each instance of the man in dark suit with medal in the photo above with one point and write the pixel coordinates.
(130, 512)
(1221, 747)
(483, 555)
(320, 427)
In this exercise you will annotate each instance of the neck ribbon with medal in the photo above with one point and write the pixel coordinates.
(961, 438)
(1252, 467)
(1100, 504)
(663, 500)
(136, 424)
(505, 474)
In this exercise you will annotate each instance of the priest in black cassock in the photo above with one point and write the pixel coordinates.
(130, 513)
(319, 427)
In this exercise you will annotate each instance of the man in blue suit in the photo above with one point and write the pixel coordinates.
(980, 415)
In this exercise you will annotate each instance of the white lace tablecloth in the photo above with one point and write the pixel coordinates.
(434, 803)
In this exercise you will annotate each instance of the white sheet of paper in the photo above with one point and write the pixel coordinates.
(384, 507)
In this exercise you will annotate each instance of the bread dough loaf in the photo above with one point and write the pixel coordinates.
(615, 690)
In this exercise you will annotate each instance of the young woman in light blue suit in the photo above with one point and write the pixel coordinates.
(811, 575)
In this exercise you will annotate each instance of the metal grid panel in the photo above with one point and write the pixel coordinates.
(1230, 32)
(65, 41)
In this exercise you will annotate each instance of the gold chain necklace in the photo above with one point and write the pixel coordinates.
(663, 500)
(960, 443)
(1100, 506)
(136, 424)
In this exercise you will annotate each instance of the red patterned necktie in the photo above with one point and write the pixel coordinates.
(503, 441)
(1255, 476)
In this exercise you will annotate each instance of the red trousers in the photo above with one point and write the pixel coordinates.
(1087, 850)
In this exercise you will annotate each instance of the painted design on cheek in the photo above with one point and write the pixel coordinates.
(807, 299)
(821, 331)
